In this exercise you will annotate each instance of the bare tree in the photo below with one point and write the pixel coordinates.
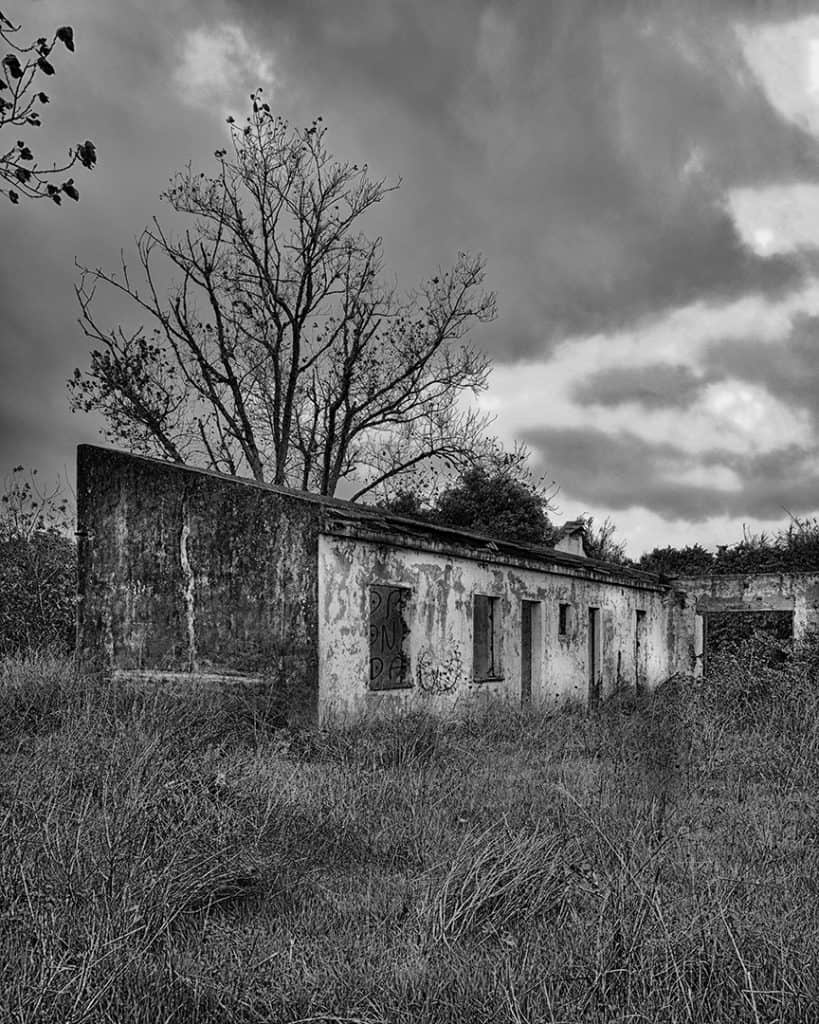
(20, 103)
(278, 348)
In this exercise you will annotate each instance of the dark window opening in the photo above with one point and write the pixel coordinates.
(486, 637)
(389, 662)
(563, 620)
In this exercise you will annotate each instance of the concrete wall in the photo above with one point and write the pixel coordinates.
(438, 615)
(183, 570)
(748, 592)
(188, 573)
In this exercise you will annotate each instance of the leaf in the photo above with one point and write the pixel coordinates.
(87, 153)
(70, 190)
(22, 174)
(65, 33)
(25, 153)
(41, 96)
(45, 66)
(12, 64)
(13, 196)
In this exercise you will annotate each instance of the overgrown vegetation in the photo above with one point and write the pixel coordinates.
(38, 566)
(793, 548)
(186, 861)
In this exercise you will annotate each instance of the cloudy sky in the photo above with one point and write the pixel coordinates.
(643, 179)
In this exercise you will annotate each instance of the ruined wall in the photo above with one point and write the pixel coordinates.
(183, 570)
(748, 592)
(439, 641)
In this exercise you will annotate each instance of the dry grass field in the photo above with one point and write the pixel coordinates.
(170, 861)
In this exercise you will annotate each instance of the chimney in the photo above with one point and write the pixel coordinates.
(571, 537)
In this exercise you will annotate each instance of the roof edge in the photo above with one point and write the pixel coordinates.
(337, 509)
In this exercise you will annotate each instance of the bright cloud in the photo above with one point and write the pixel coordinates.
(745, 417)
(785, 60)
(777, 219)
(219, 63)
(524, 395)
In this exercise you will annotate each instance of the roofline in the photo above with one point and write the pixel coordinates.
(483, 545)
(496, 554)
(685, 578)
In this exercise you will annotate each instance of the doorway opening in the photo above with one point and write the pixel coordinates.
(593, 658)
(640, 650)
(529, 645)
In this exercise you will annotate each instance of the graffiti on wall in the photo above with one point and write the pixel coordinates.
(389, 665)
(437, 674)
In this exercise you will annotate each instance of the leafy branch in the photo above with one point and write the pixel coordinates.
(21, 100)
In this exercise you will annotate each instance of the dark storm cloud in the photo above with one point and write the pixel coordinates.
(654, 386)
(621, 471)
(586, 147)
(788, 370)
(590, 145)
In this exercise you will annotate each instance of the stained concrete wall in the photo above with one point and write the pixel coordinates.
(190, 574)
(188, 571)
(438, 615)
(747, 592)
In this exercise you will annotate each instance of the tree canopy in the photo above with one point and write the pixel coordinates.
(498, 500)
(693, 559)
(281, 349)
(792, 548)
(600, 543)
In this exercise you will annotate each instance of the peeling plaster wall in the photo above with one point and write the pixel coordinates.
(439, 617)
(797, 592)
(186, 571)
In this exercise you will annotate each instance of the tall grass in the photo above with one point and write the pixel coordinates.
(186, 860)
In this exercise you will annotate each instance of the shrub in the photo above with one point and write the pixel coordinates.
(38, 568)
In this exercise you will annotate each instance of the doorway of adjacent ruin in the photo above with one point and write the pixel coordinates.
(731, 629)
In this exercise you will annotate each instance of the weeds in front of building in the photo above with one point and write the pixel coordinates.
(188, 860)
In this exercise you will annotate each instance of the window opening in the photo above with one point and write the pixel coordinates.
(486, 637)
(389, 661)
